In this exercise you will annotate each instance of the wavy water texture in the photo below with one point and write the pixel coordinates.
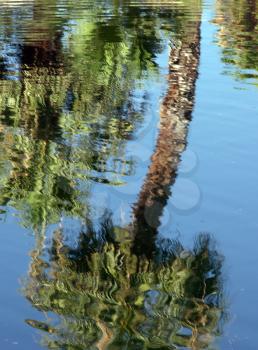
(106, 297)
(99, 100)
(74, 86)
(238, 37)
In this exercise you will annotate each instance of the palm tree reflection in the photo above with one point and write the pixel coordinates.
(123, 287)
(107, 296)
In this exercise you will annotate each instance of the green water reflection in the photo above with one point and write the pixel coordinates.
(71, 78)
(238, 37)
(107, 296)
(67, 98)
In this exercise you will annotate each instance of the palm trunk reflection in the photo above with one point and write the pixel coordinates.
(175, 115)
(122, 288)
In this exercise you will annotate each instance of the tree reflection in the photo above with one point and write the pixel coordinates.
(67, 107)
(108, 297)
(122, 287)
(238, 36)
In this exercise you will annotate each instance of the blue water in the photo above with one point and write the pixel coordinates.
(215, 189)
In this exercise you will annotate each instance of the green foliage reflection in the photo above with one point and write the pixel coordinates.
(68, 97)
(238, 36)
(67, 107)
(108, 297)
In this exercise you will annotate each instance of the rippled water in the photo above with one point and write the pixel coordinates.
(128, 190)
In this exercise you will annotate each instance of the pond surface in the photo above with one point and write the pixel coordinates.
(128, 190)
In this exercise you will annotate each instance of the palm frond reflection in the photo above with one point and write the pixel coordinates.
(108, 297)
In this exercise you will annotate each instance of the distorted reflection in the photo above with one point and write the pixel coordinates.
(238, 37)
(68, 102)
(74, 89)
(175, 116)
(73, 92)
(106, 296)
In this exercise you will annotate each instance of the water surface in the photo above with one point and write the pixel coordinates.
(127, 187)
